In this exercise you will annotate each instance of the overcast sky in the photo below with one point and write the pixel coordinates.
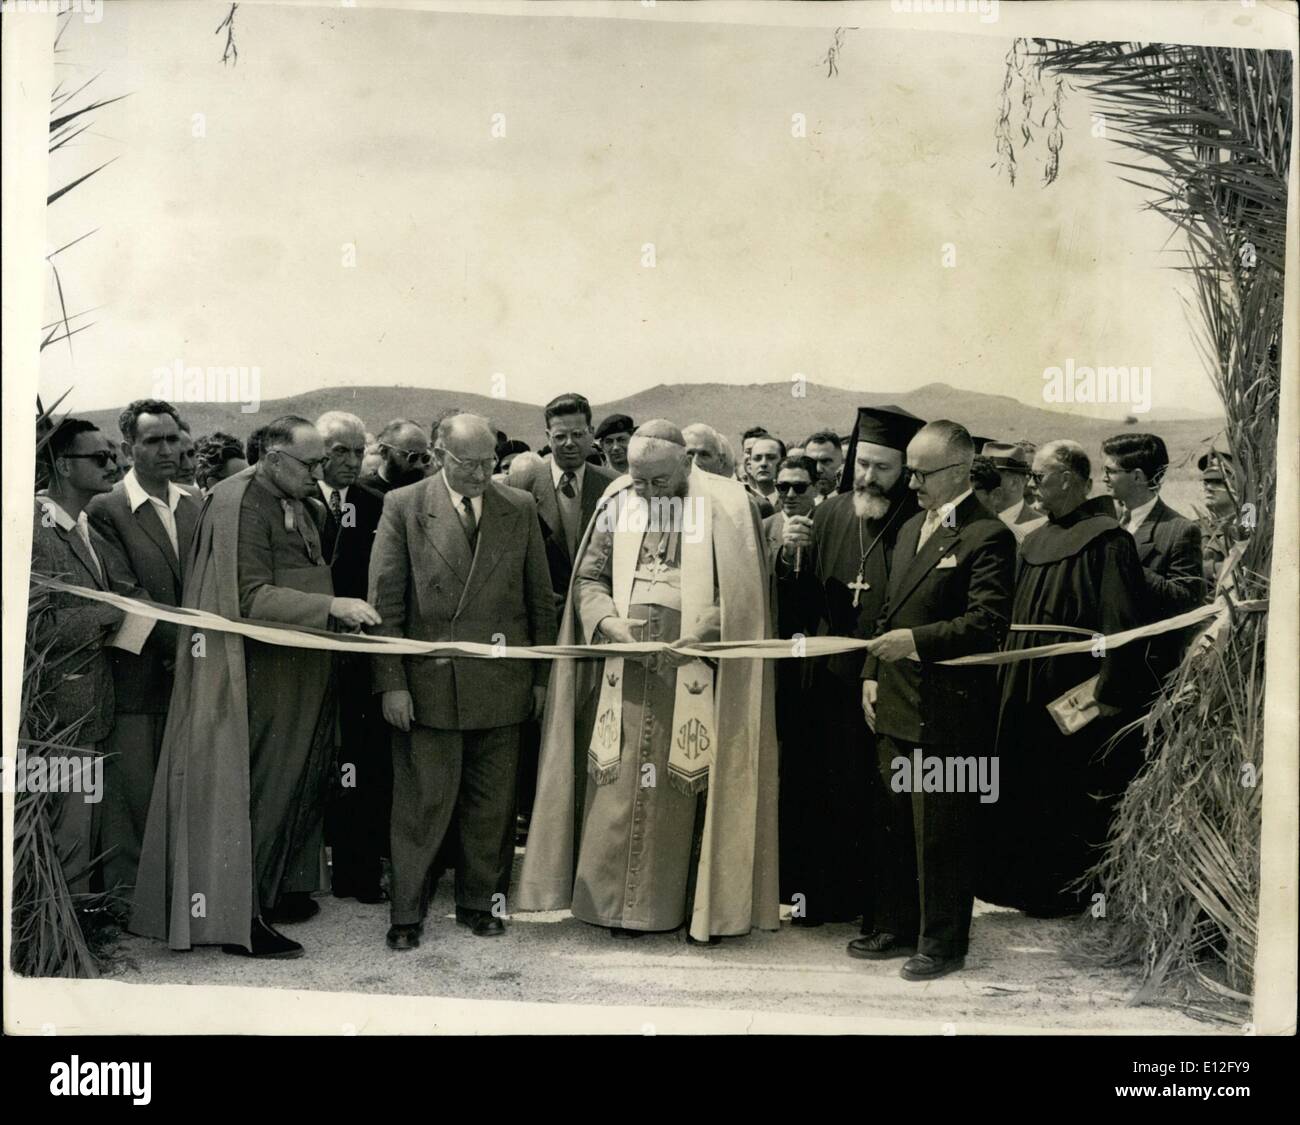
(523, 255)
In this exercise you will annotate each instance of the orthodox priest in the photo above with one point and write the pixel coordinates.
(233, 839)
(837, 565)
(674, 784)
(1061, 776)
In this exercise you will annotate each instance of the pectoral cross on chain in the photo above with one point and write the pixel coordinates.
(859, 584)
(656, 568)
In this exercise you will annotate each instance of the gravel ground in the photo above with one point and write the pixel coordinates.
(1018, 976)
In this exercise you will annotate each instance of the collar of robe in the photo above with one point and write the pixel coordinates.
(1060, 538)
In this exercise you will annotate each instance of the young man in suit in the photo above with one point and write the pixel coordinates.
(458, 558)
(949, 596)
(1169, 544)
(149, 522)
(356, 816)
(72, 632)
(567, 492)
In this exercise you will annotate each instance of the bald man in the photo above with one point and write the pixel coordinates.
(458, 557)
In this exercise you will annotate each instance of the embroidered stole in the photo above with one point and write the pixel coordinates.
(694, 722)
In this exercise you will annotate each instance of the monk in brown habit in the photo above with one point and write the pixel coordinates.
(664, 812)
(234, 833)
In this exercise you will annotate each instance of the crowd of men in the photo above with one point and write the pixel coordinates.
(652, 791)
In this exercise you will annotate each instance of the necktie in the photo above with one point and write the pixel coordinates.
(932, 519)
(468, 521)
(566, 485)
(336, 507)
(569, 513)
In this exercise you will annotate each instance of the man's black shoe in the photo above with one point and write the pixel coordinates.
(925, 967)
(485, 925)
(879, 946)
(803, 920)
(266, 942)
(620, 932)
(714, 939)
(294, 906)
(403, 937)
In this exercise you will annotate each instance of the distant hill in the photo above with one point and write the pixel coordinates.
(729, 408)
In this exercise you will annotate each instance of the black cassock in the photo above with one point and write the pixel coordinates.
(828, 775)
(1058, 791)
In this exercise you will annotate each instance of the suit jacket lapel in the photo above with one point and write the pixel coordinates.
(593, 488)
(1144, 535)
(495, 530)
(923, 561)
(152, 526)
(444, 530)
(187, 519)
(548, 507)
(78, 548)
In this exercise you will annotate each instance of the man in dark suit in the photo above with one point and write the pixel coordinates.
(458, 558)
(567, 490)
(949, 596)
(356, 816)
(72, 632)
(148, 521)
(1169, 544)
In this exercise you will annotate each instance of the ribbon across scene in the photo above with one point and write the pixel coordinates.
(775, 649)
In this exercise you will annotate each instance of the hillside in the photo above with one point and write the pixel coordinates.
(731, 409)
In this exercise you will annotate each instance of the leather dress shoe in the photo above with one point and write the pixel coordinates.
(878, 946)
(482, 923)
(713, 940)
(266, 942)
(803, 920)
(403, 937)
(925, 967)
(294, 906)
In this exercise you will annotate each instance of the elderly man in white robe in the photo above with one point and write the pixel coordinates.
(659, 809)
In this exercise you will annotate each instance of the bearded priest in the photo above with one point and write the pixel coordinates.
(658, 809)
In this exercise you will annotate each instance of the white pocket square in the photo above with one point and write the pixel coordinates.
(945, 562)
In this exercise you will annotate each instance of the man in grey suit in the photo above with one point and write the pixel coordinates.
(72, 632)
(148, 521)
(458, 557)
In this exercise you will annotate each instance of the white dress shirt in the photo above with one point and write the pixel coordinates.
(165, 510)
(578, 474)
(1135, 517)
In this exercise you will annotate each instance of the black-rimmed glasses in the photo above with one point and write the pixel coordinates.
(924, 474)
(311, 466)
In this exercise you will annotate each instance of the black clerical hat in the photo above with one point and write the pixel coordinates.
(891, 426)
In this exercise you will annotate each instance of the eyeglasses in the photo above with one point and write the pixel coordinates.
(412, 455)
(1107, 473)
(799, 487)
(922, 475)
(102, 457)
(311, 466)
(482, 464)
(563, 437)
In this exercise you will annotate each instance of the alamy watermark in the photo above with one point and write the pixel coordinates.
(627, 511)
(933, 773)
(178, 383)
(91, 10)
(53, 773)
(987, 10)
(1130, 386)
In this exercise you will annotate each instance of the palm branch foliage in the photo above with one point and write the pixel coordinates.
(1206, 136)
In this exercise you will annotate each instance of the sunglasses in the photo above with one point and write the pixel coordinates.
(103, 458)
(412, 456)
(798, 487)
